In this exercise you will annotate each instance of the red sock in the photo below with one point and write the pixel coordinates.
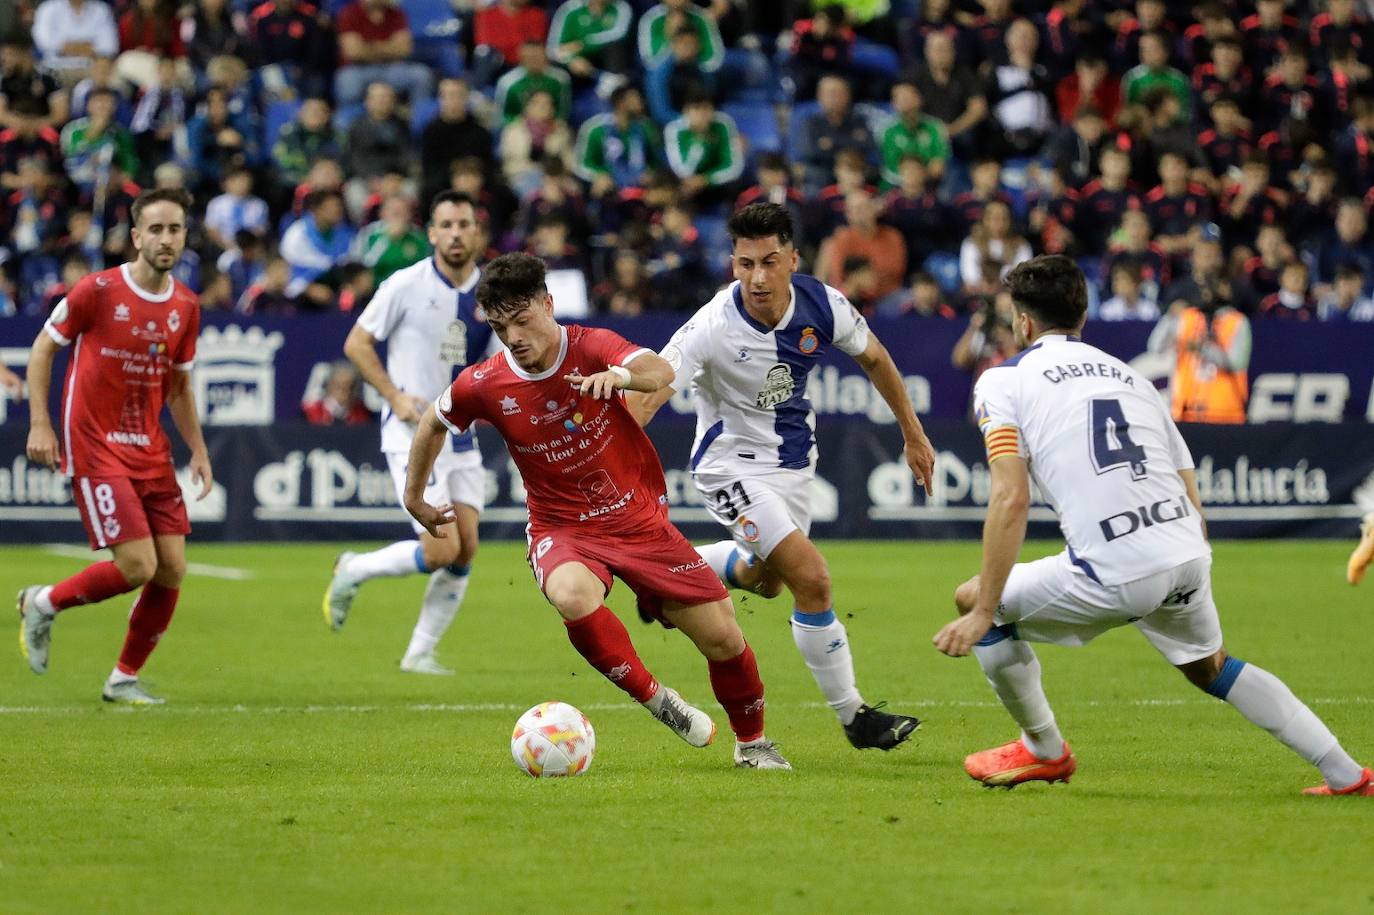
(89, 586)
(151, 615)
(601, 638)
(739, 691)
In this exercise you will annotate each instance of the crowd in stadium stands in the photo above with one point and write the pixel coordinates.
(1214, 151)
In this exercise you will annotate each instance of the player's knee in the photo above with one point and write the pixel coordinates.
(572, 598)
(170, 571)
(137, 567)
(812, 584)
(441, 553)
(1203, 672)
(966, 595)
(768, 587)
(725, 643)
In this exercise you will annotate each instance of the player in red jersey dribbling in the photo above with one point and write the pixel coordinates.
(133, 334)
(597, 500)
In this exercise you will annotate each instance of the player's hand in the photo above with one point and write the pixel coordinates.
(433, 519)
(202, 474)
(920, 457)
(42, 446)
(408, 408)
(602, 385)
(958, 638)
(10, 384)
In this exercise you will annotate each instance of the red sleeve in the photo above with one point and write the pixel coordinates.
(459, 405)
(607, 347)
(348, 19)
(185, 356)
(74, 314)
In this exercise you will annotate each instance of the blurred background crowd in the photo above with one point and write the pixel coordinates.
(1218, 154)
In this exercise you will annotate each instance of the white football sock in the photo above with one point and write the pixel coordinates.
(823, 642)
(405, 557)
(43, 600)
(118, 676)
(1267, 702)
(443, 596)
(720, 557)
(1013, 670)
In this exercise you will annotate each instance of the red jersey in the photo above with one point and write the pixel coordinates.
(128, 341)
(584, 461)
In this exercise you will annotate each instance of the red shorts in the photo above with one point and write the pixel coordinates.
(118, 509)
(658, 564)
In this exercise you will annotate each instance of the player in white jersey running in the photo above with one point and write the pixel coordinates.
(1108, 458)
(747, 356)
(427, 315)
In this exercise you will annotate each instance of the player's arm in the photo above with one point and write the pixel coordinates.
(877, 364)
(424, 451)
(181, 403)
(1190, 483)
(42, 444)
(647, 373)
(361, 349)
(643, 407)
(10, 383)
(1003, 533)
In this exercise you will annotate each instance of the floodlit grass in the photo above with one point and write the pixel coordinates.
(296, 770)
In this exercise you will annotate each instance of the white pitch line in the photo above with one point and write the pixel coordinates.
(204, 569)
(460, 708)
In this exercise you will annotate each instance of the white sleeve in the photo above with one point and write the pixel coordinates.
(686, 351)
(851, 330)
(995, 408)
(383, 313)
(1179, 452)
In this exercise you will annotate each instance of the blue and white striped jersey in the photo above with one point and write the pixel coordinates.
(749, 380)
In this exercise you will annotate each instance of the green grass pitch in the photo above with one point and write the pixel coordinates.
(297, 770)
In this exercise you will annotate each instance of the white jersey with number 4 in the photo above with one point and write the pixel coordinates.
(749, 380)
(1104, 452)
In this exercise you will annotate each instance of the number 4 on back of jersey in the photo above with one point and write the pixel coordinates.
(1111, 440)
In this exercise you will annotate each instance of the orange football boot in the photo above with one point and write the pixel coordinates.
(1362, 788)
(1011, 764)
(1364, 553)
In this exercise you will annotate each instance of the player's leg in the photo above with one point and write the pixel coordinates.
(734, 673)
(740, 569)
(152, 614)
(576, 584)
(113, 516)
(463, 480)
(1363, 554)
(404, 557)
(1187, 631)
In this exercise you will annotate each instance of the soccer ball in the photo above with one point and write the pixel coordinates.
(553, 739)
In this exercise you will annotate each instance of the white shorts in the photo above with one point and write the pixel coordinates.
(1052, 600)
(458, 478)
(759, 511)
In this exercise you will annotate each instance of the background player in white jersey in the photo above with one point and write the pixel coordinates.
(747, 355)
(1111, 463)
(427, 315)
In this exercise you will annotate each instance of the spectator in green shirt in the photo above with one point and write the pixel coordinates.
(589, 37)
(1154, 71)
(392, 242)
(535, 74)
(911, 132)
(661, 22)
(705, 152)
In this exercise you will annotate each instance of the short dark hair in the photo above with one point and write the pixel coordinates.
(315, 199)
(1051, 288)
(773, 162)
(510, 282)
(761, 220)
(160, 195)
(450, 196)
(1350, 271)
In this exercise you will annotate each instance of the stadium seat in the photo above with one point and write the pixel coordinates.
(278, 115)
(421, 113)
(944, 266)
(871, 57)
(757, 125)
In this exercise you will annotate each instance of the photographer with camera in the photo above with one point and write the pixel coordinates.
(1210, 339)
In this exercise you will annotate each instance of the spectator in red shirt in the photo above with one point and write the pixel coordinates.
(499, 31)
(340, 401)
(148, 31)
(374, 47)
(1293, 301)
(1092, 84)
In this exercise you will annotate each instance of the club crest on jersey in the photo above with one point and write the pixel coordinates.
(981, 414)
(777, 387)
(809, 342)
(749, 530)
(174, 321)
(508, 405)
(121, 312)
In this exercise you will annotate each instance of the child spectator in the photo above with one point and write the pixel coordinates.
(1129, 301)
(340, 402)
(1293, 301)
(236, 210)
(1346, 300)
